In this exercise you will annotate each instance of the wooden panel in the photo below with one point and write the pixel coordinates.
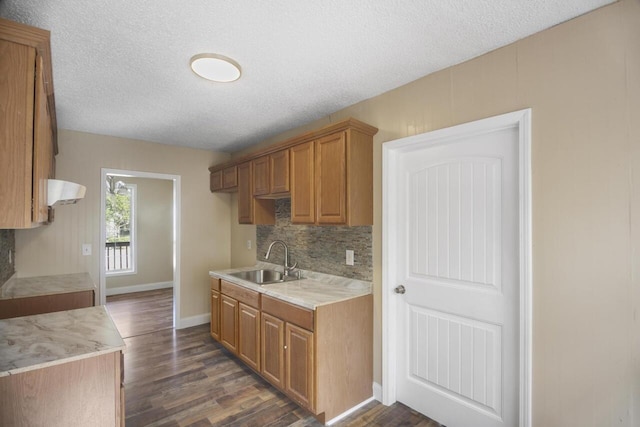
(240, 293)
(230, 178)
(303, 203)
(17, 67)
(245, 197)
(261, 174)
(279, 165)
(299, 362)
(331, 179)
(359, 178)
(215, 181)
(17, 307)
(81, 393)
(300, 316)
(272, 350)
(344, 355)
(229, 323)
(249, 335)
(215, 315)
(42, 149)
(215, 284)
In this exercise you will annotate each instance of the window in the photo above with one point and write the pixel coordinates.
(120, 227)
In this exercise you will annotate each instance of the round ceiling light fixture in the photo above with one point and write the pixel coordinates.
(214, 67)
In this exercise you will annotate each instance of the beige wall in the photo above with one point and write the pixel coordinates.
(205, 226)
(582, 80)
(153, 234)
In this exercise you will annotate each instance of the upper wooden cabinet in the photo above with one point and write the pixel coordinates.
(224, 180)
(327, 173)
(250, 209)
(27, 125)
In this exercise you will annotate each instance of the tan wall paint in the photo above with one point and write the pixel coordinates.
(582, 80)
(154, 234)
(205, 225)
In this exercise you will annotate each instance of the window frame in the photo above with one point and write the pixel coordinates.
(133, 246)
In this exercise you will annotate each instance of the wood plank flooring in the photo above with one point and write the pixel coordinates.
(185, 378)
(141, 312)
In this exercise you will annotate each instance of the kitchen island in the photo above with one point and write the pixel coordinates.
(61, 369)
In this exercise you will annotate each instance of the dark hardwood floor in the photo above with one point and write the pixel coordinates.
(185, 378)
(141, 312)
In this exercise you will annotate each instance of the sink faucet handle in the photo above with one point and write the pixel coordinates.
(288, 268)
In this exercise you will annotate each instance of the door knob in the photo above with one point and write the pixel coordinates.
(399, 289)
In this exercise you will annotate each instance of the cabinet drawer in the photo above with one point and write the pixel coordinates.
(215, 284)
(241, 294)
(291, 313)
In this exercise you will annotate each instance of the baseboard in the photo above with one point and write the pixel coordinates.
(349, 411)
(139, 288)
(377, 392)
(187, 322)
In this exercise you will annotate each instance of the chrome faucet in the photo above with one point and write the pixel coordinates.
(287, 268)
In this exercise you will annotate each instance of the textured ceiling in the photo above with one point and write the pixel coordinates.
(122, 67)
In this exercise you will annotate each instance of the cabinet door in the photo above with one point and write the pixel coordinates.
(272, 350)
(229, 323)
(249, 335)
(300, 365)
(279, 165)
(302, 184)
(17, 65)
(42, 149)
(331, 179)
(260, 176)
(215, 315)
(215, 181)
(245, 195)
(230, 177)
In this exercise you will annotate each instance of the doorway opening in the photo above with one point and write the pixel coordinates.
(139, 243)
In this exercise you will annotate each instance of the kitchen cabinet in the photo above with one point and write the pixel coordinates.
(250, 209)
(303, 207)
(27, 306)
(229, 323)
(272, 350)
(249, 335)
(224, 180)
(299, 366)
(27, 123)
(215, 309)
(261, 184)
(279, 173)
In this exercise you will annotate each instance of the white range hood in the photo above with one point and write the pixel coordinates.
(64, 192)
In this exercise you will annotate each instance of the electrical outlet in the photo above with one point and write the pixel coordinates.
(10, 257)
(248, 244)
(86, 249)
(349, 257)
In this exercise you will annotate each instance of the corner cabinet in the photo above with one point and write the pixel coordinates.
(27, 125)
(322, 358)
(327, 173)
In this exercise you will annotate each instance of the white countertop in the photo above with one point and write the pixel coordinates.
(315, 289)
(46, 285)
(35, 342)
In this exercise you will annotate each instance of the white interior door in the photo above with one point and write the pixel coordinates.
(457, 257)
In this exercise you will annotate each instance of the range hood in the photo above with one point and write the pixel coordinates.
(64, 192)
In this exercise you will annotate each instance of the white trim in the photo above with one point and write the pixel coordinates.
(176, 232)
(349, 411)
(138, 288)
(198, 319)
(377, 392)
(390, 150)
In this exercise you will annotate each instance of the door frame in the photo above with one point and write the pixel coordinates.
(176, 232)
(521, 120)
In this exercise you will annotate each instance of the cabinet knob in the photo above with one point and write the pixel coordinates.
(285, 347)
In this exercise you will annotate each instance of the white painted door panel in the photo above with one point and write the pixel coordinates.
(458, 251)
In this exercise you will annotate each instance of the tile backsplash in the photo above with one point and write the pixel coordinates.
(7, 243)
(317, 248)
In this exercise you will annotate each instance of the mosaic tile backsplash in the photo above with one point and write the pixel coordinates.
(7, 243)
(317, 248)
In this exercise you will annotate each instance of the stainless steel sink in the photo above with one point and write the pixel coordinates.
(263, 277)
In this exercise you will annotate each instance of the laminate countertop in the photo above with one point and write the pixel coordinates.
(34, 342)
(313, 290)
(46, 285)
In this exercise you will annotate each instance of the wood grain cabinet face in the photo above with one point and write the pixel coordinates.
(249, 335)
(303, 184)
(250, 209)
(215, 181)
(299, 356)
(215, 315)
(26, 128)
(331, 179)
(261, 185)
(279, 176)
(229, 323)
(272, 350)
(230, 178)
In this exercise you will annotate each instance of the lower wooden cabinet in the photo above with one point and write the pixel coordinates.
(215, 309)
(272, 350)
(299, 365)
(229, 323)
(249, 335)
(17, 307)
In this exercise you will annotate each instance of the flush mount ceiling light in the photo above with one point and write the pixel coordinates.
(217, 68)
